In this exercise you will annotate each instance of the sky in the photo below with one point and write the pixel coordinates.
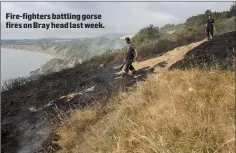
(117, 17)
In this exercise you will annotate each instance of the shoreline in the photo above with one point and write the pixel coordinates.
(19, 48)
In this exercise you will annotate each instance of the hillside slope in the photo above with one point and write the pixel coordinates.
(169, 112)
(32, 110)
(178, 111)
(220, 50)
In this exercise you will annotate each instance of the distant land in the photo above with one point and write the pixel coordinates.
(39, 45)
(70, 51)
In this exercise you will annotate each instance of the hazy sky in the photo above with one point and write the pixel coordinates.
(117, 17)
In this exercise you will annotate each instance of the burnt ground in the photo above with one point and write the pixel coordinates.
(31, 111)
(220, 50)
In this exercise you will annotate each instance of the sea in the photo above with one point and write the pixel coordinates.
(19, 63)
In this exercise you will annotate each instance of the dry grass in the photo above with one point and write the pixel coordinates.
(160, 116)
(170, 57)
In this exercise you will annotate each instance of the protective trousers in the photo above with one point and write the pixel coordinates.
(129, 66)
(209, 31)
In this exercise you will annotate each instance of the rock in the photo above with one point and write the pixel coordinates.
(90, 89)
(101, 65)
(33, 109)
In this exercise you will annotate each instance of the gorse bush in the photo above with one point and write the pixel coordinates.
(146, 34)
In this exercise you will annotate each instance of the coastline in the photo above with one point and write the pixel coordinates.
(31, 48)
(50, 52)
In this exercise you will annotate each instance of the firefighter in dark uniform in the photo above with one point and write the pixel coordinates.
(210, 27)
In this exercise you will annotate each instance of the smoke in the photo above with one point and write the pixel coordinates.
(33, 135)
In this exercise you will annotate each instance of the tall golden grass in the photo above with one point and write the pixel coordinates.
(160, 116)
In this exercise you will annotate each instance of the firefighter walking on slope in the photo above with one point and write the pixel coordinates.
(210, 27)
(130, 57)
